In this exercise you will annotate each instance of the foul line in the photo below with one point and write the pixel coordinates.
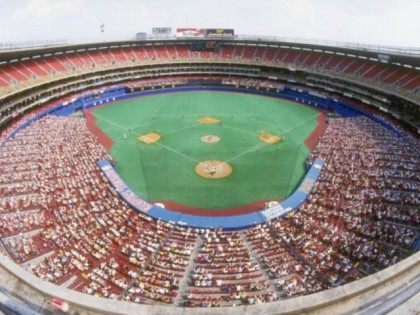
(252, 149)
(146, 123)
(234, 128)
(110, 121)
(179, 129)
(177, 152)
(301, 123)
(169, 148)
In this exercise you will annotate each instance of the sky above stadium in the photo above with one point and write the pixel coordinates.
(385, 22)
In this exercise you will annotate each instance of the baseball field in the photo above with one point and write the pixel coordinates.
(211, 150)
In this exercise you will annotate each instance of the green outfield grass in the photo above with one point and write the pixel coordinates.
(165, 170)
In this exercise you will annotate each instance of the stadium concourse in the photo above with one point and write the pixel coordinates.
(64, 222)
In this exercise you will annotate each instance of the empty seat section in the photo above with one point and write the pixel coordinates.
(303, 55)
(312, 59)
(341, 64)
(97, 57)
(259, 52)
(353, 66)
(24, 70)
(55, 63)
(5, 79)
(118, 55)
(367, 65)
(270, 53)
(291, 56)
(384, 72)
(36, 68)
(281, 53)
(227, 52)
(85, 58)
(139, 53)
(238, 52)
(14, 73)
(80, 57)
(408, 77)
(106, 55)
(150, 52)
(344, 64)
(160, 52)
(397, 75)
(374, 71)
(76, 60)
(248, 52)
(182, 51)
(325, 60)
(333, 62)
(412, 84)
(46, 66)
(171, 51)
(206, 54)
(129, 54)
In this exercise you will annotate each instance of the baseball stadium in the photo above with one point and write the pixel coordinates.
(206, 172)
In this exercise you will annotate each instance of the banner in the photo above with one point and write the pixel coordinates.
(161, 30)
(219, 32)
(190, 32)
(205, 32)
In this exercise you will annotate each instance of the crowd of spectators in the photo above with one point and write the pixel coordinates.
(61, 219)
(253, 83)
(226, 273)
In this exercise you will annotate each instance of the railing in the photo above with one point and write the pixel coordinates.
(341, 44)
(287, 40)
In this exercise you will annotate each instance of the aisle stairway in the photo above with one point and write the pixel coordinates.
(184, 283)
(258, 258)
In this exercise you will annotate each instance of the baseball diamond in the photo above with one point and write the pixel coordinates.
(262, 139)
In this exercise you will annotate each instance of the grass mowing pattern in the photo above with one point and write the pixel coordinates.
(165, 170)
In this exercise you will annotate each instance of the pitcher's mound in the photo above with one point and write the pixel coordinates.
(210, 139)
(213, 169)
(269, 138)
(208, 120)
(149, 138)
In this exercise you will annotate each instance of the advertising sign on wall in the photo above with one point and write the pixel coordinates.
(190, 32)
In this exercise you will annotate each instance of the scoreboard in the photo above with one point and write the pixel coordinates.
(161, 30)
(204, 46)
